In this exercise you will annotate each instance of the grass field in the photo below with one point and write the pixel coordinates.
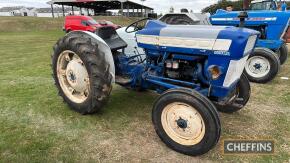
(36, 126)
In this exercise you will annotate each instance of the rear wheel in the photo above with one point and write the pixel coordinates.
(186, 121)
(240, 98)
(262, 66)
(81, 74)
(283, 53)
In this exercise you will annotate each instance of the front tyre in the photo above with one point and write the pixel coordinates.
(283, 53)
(240, 98)
(81, 74)
(262, 66)
(186, 121)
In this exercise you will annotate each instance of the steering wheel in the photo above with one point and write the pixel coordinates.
(138, 25)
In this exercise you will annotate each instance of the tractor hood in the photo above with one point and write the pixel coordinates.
(195, 39)
(262, 17)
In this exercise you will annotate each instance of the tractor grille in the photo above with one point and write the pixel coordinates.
(250, 44)
(235, 71)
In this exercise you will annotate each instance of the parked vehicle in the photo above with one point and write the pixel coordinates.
(195, 73)
(266, 5)
(105, 23)
(264, 64)
(185, 18)
(85, 23)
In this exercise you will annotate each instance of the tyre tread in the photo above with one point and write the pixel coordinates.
(95, 62)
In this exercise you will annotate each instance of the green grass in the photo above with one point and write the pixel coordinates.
(27, 24)
(36, 126)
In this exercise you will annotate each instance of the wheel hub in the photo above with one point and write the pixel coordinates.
(183, 123)
(257, 66)
(73, 76)
(76, 75)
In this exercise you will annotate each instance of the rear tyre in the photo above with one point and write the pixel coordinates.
(241, 97)
(262, 66)
(81, 74)
(186, 121)
(283, 54)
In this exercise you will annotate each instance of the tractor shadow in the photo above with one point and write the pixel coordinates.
(129, 103)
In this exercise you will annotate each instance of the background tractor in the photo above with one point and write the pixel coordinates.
(196, 74)
(262, 15)
(265, 5)
(185, 18)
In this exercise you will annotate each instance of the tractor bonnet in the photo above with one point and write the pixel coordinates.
(197, 39)
(225, 47)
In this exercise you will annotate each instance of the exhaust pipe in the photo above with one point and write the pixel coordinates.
(242, 16)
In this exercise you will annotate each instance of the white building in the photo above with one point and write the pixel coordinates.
(30, 11)
(39, 12)
(8, 11)
(47, 12)
(18, 11)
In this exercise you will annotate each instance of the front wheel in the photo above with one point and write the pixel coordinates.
(239, 99)
(262, 66)
(186, 121)
(283, 53)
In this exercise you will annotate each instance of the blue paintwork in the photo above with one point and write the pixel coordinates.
(149, 74)
(274, 28)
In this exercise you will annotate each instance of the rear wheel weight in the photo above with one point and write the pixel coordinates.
(81, 74)
(186, 121)
(262, 66)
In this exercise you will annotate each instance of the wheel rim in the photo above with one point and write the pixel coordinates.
(258, 66)
(73, 76)
(183, 123)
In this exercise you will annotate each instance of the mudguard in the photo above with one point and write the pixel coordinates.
(102, 46)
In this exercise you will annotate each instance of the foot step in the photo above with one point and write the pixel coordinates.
(122, 80)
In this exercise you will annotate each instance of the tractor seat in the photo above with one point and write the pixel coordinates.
(110, 36)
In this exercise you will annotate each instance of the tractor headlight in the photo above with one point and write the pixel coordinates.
(215, 72)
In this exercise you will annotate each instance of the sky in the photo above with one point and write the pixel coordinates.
(160, 6)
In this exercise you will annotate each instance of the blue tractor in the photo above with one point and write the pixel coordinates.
(196, 69)
(264, 63)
